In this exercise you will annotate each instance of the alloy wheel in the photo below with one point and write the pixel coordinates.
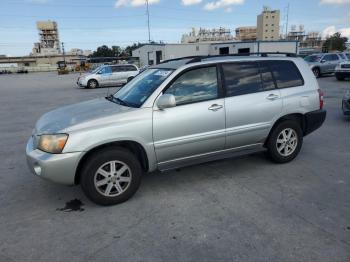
(112, 178)
(287, 142)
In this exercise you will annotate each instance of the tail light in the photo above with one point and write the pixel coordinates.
(321, 97)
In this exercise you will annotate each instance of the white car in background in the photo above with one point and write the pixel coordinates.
(108, 75)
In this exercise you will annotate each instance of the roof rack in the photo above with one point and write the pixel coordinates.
(196, 59)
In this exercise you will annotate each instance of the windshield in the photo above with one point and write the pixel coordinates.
(142, 86)
(313, 58)
(94, 71)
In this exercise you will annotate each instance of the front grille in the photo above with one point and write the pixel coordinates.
(345, 66)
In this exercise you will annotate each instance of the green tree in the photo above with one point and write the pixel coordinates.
(335, 43)
(128, 50)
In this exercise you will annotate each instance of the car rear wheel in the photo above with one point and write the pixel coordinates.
(92, 84)
(111, 177)
(317, 72)
(285, 142)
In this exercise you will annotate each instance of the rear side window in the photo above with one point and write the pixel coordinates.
(130, 68)
(286, 73)
(242, 78)
(116, 69)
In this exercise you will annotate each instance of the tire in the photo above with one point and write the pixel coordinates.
(289, 148)
(339, 78)
(92, 84)
(111, 191)
(317, 72)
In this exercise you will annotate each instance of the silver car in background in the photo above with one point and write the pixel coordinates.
(108, 75)
(321, 64)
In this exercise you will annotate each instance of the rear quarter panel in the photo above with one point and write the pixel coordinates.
(301, 99)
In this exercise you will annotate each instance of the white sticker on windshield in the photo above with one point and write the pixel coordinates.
(162, 73)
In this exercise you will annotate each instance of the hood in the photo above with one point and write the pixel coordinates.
(64, 118)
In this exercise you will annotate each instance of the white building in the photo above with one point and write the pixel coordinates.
(268, 25)
(152, 54)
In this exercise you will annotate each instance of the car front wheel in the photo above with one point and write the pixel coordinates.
(111, 177)
(317, 72)
(285, 142)
(92, 84)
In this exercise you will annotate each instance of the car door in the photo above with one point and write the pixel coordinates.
(196, 125)
(252, 103)
(117, 75)
(328, 63)
(105, 76)
(335, 60)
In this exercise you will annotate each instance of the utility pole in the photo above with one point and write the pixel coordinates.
(287, 21)
(149, 29)
(64, 55)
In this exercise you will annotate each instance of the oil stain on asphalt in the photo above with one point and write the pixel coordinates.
(73, 205)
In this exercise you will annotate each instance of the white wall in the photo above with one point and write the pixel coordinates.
(182, 50)
(286, 47)
(148, 51)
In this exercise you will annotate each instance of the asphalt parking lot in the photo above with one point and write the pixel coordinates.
(244, 209)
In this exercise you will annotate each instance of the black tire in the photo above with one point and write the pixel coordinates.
(339, 78)
(92, 165)
(273, 152)
(92, 84)
(317, 72)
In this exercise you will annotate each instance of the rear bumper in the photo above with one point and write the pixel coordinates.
(314, 121)
(346, 107)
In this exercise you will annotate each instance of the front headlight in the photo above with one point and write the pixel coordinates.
(53, 144)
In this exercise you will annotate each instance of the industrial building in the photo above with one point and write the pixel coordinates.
(49, 39)
(268, 25)
(246, 33)
(207, 35)
(152, 54)
(46, 53)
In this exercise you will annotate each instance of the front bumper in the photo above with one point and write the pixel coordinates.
(81, 82)
(346, 106)
(314, 120)
(342, 74)
(58, 168)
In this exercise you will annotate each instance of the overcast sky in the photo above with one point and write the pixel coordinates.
(87, 24)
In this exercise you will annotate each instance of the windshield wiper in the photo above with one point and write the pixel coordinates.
(119, 101)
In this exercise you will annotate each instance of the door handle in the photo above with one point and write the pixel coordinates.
(272, 97)
(215, 107)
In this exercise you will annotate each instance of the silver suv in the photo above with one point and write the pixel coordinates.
(108, 75)
(178, 113)
(322, 64)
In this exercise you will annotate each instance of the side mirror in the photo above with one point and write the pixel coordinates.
(166, 101)
(323, 61)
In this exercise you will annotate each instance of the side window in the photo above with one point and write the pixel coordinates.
(327, 58)
(286, 74)
(130, 68)
(266, 77)
(116, 69)
(242, 78)
(195, 86)
(342, 56)
(334, 57)
(106, 70)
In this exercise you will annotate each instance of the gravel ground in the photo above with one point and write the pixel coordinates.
(243, 209)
